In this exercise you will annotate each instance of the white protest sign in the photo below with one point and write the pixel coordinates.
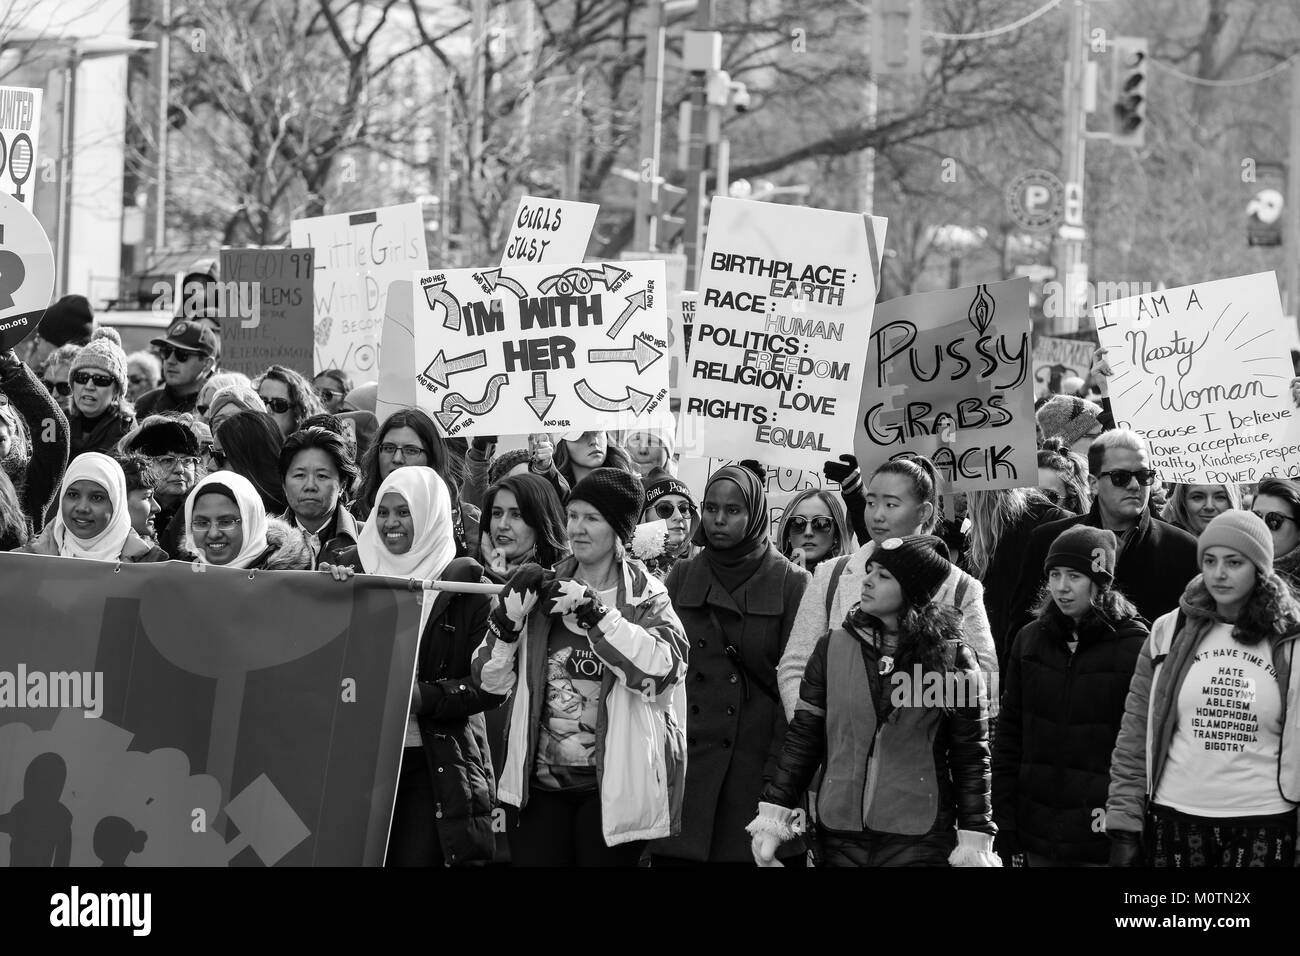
(1058, 359)
(1203, 373)
(20, 129)
(358, 255)
(26, 272)
(546, 231)
(784, 313)
(540, 348)
(675, 283)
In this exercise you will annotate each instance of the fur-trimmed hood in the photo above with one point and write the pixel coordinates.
(287, 549)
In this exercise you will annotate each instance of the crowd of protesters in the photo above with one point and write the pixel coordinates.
(1097, 669)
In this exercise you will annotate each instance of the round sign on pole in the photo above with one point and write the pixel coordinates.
(1036, 200)
(26, 272)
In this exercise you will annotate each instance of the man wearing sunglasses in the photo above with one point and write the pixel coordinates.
(189, 355)
(1155, 559)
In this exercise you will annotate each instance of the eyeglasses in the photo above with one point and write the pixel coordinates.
(171, 462)
(666, 509)
(182, 355)
(223, 524)
(328, 394)
(279, 406)
(1120, 477)
(62, 388)
(1273, 519)
(408, 451)
(820, 524)
(83, 378)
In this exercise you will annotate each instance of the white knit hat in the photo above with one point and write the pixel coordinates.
(104, 352)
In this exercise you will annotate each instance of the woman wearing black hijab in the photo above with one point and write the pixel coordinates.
(737, 600)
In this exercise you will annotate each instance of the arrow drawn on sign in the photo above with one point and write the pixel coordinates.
(642, 353)
(542, 399)
(455, 400)
(493, 278)
(578, 281)
(635, 303)
(437, 295)
(634, 400)
(442, 368)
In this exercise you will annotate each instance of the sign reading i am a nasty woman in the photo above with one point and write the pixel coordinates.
(358, 255)
(784, 313)
(541, 348)
(1202, 373)
(549, 230)
(948, 377)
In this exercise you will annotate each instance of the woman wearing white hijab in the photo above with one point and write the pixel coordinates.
(227, 525)
(94, 520)
(446, 790)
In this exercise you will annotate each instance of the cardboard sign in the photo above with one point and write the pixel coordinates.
(1203, 373)
(279, 330)
(357, 256)
(541, 348)
(948, 377)
(784, 313)
(20, 130)
(546, 231)
(1059, 359)
(232, 721)
(26, 272)
(675, 283)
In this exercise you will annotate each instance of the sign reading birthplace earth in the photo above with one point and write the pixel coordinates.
(556, 348)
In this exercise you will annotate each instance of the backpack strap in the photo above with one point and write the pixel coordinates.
(962, 584)
(836, 571)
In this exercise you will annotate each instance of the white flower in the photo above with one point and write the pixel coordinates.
(650, 540)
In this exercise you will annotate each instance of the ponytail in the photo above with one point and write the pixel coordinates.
(920, 471)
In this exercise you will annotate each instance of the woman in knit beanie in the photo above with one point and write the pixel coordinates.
(917, 795)
(670, 501)
(1076, 421)
(1206, 769)
(593, 655)
(1064, 685)
(100, 412)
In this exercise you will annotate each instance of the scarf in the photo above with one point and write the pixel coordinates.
(433, 545)
(108, 544)
(251, 514)
(735, 565)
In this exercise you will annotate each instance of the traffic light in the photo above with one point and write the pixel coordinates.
(1129, 114)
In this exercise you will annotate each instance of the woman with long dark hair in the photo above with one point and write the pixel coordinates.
(1277, 504)
(523, 522)
(1206, 769)
(1063, 477)
(13, 523)
(249, 444)
(577, 454)
(288, 397)
(407, 437)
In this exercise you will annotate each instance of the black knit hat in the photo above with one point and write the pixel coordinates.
(1089, 551)
(68, 320)
(667, 485)
(617, 495)
(919, 562)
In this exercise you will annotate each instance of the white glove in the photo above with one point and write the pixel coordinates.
(974, 849)
(773, 826)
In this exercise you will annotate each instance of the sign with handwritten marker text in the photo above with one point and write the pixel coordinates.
(1201, 372)
(948, 377)
(549, 230)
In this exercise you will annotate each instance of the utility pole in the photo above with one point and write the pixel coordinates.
(164, 84)
(1070, 267)
(1291, 237)
(698, 165)
(469, 187)
(645, 227)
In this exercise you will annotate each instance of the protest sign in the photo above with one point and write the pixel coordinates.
(784, 312)
(357, 256)
(1058, 359)
(20, 131)
(540, 348)
(1201, 371)
(546, 231)
(674, 284)
(142, 720)
(266, 310)
(26, 272)
(947, 377)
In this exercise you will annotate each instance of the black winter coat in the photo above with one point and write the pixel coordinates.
(39, 484)
(450, 716)
(735, 723)
(100, 435)
(1152, 569)
(1061, 713)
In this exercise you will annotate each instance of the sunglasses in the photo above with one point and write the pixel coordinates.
(1121, 477)
(279, 406)
(182, 355)
(62, 388)
(1273, 519)
(84, 378)
(408, 451)
(328, 394)
(137, 380)
(820, 524)
(666, 509)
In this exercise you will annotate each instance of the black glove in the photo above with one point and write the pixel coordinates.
(519, 597)
(1008, 847)
(1125, 848)
(837, 472)
(483, 443)
(576, 598)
